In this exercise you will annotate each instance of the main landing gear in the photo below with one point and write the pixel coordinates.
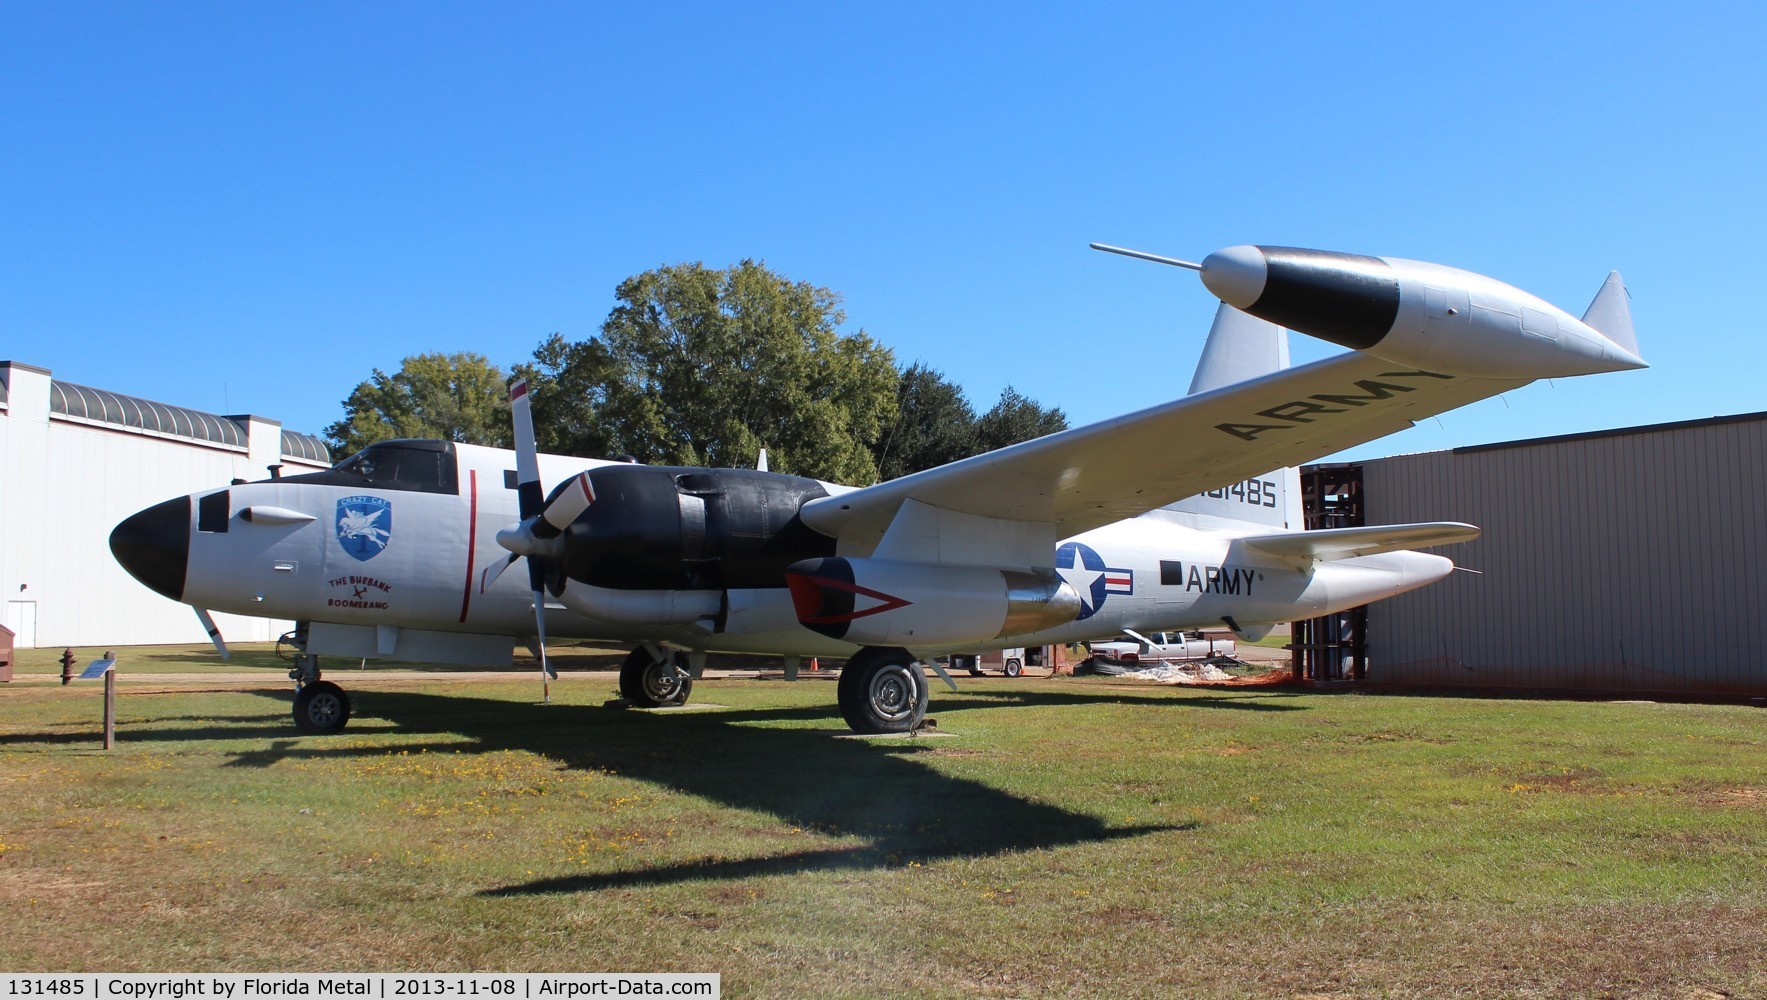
(320, 707)
(882, 690)
(653, 677)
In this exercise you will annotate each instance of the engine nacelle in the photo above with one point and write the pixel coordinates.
(1412, 313)
(654, 528)
(877, 602)
(641, 607)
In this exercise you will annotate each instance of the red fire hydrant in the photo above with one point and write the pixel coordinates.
(67, 666)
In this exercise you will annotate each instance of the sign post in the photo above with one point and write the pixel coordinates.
(110, 709)
(106, 668)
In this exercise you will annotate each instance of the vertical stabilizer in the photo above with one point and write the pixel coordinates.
(1242, 347)
(1611, 313)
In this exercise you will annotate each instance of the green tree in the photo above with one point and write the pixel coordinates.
(1016, 418)
(934, 424)
(704, 366)
(568, 384)
(458, 397)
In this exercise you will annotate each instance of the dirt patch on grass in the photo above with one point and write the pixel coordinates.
(1399, 736)
(1538, 778)
(1125, 916)
(1713, 794)
(693, 918)
(18, 884)
(1574, 779)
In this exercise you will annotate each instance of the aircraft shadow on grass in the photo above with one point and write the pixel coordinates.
(873, 791)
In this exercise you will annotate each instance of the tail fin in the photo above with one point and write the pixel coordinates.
(1611, 313)
(1240, 348)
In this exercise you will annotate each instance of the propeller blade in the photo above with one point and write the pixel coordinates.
(546, 671)
(571, 501)
(529, 497)
(208, 623)
(528, 494)
(490, 575)
(531, 503)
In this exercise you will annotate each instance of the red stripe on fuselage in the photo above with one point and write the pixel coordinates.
(472, 538)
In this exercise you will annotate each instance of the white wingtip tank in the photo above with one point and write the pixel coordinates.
(1421, 314)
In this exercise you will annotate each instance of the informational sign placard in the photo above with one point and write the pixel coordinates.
(98, 668)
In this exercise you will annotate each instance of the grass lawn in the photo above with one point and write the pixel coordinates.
(1064, 837)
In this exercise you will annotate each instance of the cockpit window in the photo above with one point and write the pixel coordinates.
(415, 465)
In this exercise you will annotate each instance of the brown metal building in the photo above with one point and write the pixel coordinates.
(1632, 560)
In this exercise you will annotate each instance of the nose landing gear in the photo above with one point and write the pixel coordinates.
(321, 708)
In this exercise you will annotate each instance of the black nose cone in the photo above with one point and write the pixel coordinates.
(154, 546)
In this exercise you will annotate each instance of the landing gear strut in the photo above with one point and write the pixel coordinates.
(320, 707)
(650, 680)
(882, 690)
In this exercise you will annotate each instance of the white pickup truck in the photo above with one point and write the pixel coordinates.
(1162, 647)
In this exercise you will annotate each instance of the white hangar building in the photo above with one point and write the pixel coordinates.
(74, 461)
(1626, 560)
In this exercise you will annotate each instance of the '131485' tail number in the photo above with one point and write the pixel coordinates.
(1257, 492)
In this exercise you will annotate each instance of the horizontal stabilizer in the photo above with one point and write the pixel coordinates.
(1611, 313)
(1347, 543)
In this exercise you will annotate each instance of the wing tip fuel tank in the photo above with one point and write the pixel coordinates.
(1236, 275)
(1425, 315)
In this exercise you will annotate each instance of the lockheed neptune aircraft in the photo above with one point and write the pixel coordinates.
(399, 551)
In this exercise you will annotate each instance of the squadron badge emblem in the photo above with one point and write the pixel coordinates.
(364, 525)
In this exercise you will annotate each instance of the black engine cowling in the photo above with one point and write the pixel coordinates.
(662, 528)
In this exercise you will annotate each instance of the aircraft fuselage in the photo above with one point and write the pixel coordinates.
(406, 552)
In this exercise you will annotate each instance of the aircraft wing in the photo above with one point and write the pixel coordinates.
(1086, 477)
(1327, 544)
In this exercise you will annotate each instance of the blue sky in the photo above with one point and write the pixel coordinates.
(247, 207)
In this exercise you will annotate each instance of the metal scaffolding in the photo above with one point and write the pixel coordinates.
(1334, 647)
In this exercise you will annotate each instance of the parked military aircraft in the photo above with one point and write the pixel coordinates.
(398, 551)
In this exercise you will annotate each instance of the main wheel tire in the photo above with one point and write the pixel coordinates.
(1014, 668)
(321, 708)
(651, 683)
(882, 690)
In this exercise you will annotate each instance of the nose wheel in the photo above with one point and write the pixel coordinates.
(321, 708)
